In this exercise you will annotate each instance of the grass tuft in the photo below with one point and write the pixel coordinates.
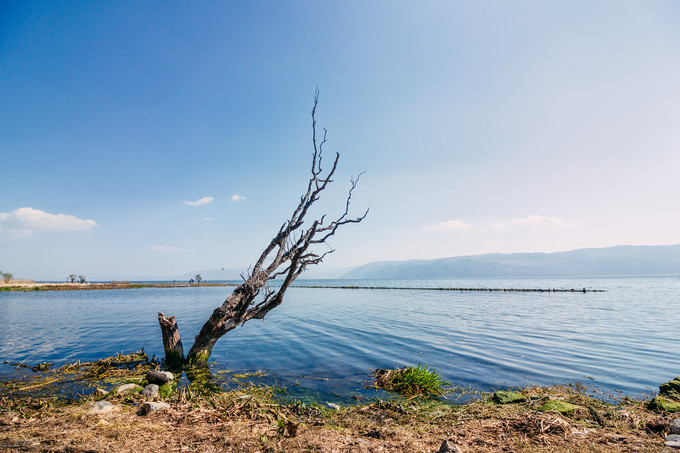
(411, 381)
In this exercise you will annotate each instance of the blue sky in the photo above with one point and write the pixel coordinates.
(144, 140)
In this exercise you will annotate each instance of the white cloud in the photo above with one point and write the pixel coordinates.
(448, 226)
(201, 202)
(207, 219)
(534, 222)
(23, 222)
(165, 248)
(237, 197)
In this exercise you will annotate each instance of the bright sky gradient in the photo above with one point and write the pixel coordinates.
(146, 139)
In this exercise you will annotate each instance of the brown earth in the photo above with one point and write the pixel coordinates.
(249, 420)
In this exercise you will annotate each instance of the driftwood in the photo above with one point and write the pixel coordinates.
(293, 248)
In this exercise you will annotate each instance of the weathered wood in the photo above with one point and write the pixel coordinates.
(286, 256)
(172, 342)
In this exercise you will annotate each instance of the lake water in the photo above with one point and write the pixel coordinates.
(322, 342)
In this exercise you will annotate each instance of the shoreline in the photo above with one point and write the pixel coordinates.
(63, 286)
(251, 419)
(49, 286)
(118, 416)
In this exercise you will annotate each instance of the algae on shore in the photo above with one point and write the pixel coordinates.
(254, 418)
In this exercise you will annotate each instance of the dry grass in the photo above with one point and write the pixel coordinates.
(250, 420)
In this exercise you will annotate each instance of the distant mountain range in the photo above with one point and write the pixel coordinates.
(619, 260)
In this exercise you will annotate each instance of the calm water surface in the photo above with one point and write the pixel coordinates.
(324, 341)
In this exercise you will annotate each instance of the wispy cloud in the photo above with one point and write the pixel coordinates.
(24, 222)
(236, 197)
(449, 226)
(165, 248)
(201, 202)
(535, 222)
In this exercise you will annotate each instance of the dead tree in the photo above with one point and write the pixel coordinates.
(294, 247)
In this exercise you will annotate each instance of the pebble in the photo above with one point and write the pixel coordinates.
(675, 426)
(126, 388)
(159, 377)
(673, 440)
(151, 390)
(101, 407)
(152, 406)
(449, 447)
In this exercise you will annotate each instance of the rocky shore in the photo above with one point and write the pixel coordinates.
(137, 407)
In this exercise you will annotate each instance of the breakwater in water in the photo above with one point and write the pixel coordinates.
(516, 290)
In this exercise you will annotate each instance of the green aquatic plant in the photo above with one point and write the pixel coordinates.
(411, 381)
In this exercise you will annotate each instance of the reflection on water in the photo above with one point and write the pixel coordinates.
(324, 341)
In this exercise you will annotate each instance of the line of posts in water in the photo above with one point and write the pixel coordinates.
(526, 290)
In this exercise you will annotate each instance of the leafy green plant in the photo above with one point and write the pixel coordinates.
(411, 381)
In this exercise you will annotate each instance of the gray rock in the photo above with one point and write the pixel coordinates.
(101, 392)
(675, 426)
(151, 390)
(449, 447)
(159, 377)
(152, 406)
(673, 440)
(101, 407)
(502, 397)
(128, 388)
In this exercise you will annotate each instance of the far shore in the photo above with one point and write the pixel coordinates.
(27, 285)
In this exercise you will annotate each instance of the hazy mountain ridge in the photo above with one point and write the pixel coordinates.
(592, 262)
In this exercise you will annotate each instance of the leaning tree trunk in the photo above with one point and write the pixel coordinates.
(286, 256)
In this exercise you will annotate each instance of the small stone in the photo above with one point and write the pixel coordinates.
(159, 377)
(152, 406)
(675, 426)
(502, 397)
(449, 447)
(671, 389)
(335, 407)
(101, 392)
(101, 407)
(673, 440)
(128, 388)
(151, 390)
(562, 407)
(663, 404)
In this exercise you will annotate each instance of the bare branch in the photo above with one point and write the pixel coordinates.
(287, 255)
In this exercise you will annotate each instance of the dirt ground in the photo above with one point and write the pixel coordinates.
(249, 420)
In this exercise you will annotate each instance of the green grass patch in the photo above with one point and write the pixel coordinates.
(411, 382)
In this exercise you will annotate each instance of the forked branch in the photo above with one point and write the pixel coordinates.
(286, 256)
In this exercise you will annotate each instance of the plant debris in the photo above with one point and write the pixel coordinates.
(254, 419)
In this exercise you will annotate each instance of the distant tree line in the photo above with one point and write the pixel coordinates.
(6, 276)
(77, 278)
